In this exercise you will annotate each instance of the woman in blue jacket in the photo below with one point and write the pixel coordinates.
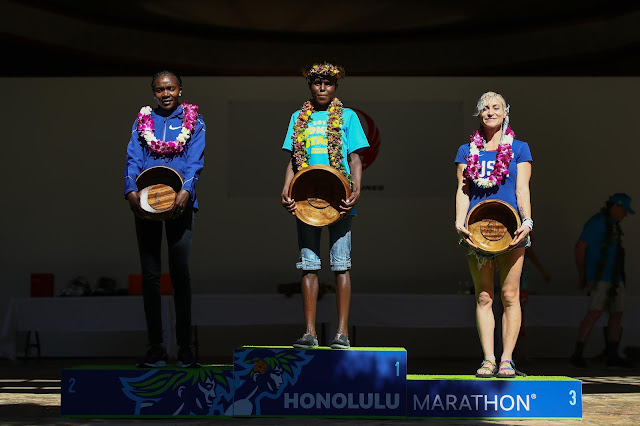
(171, 135)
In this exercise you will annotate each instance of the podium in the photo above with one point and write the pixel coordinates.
(280, 381)
(359, 382)
(467, 397)
(119, 391)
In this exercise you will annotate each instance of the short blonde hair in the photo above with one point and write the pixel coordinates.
(484, 101)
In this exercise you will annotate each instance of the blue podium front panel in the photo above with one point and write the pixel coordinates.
(469, 397)
(358, 382)
(120, 391)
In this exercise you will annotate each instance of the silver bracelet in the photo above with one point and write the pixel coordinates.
(528, 222)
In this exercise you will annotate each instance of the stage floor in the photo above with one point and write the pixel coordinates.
(30, 394)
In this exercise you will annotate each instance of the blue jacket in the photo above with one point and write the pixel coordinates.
(188, 163)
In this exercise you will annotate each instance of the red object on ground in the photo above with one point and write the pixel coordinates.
(135, 284)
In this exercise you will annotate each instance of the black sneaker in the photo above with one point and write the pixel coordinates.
(578, 362)
(155, 357)
(307, 341)
(186, 358)
(340, 342)
(618, 363)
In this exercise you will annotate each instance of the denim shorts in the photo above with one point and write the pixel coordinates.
(339, 242)
(483, 258)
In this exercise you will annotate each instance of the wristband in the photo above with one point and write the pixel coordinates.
(528, 222)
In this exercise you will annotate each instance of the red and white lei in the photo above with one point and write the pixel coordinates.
(503, 159)
(146, 129)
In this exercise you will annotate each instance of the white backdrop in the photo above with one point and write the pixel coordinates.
(64, 153)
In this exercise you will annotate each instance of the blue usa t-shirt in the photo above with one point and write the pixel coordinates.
(599, 243)
(506, 190)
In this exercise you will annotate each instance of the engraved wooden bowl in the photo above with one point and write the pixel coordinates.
(318, 191)
(492, 224)
(157, 188)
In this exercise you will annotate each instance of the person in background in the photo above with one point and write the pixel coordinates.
(599, 257)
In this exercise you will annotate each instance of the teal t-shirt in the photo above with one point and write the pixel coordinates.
(601, 242)
(353, 137)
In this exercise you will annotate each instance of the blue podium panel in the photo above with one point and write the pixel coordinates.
(357, 382)
(467, 397)
(120, 391)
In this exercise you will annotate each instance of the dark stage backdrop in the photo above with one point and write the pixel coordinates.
(64, 152)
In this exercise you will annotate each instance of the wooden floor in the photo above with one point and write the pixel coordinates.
(30, 394)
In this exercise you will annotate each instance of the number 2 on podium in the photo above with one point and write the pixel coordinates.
(72, 382)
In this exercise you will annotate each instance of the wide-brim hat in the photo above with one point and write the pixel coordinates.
(623, 200)
(318, 191)
(158, 187)
(492, 224)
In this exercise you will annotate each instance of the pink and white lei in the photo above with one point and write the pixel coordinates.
(503, 159)
(146, 129)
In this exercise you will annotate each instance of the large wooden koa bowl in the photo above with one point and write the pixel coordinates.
(157, 188)
(492, 224)
(318, 192)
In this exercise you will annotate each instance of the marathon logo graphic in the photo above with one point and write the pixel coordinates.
(473, 402)
(376, 401)
(203, 391)
(548, 397)
(263, 374)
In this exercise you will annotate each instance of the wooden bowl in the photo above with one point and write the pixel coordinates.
(318, 191)
(492, 224)
(158, 187)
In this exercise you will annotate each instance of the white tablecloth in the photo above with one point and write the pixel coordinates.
(126, 313)
(76, 315)
(256, 309)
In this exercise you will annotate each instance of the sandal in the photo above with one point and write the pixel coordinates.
(487, 369)
(507, 366)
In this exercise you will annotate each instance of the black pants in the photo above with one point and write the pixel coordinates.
(179, 233)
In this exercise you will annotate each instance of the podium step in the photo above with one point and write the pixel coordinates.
(322, 382)
(284, 382)
(120, 391)
(467, 397)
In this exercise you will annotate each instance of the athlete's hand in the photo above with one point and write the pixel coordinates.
(134, 202)
(180, 203)
(349, 203)
(464, 233)
(520, 234)
(288, 203)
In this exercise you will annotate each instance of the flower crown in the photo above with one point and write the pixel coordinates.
(323, 69)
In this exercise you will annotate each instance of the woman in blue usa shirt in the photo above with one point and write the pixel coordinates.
(495, 165)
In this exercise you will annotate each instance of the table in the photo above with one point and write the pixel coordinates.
(76, 314)
(126, 313)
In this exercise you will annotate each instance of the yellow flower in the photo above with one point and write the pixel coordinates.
(300, 138)
(336, 123)
(309, 113)
(331, 109)
(304, 165)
